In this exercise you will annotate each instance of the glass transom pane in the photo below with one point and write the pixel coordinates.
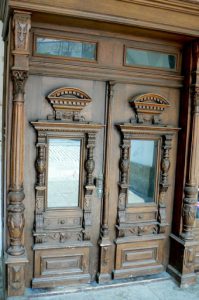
(64, 48)
(148, 58)
(142, 172)
(63, 172)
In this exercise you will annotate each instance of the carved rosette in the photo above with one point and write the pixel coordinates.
(165, 166)
(89, 187)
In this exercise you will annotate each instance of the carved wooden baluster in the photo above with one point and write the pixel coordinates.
(123, 184)
(41, 185)
(191, 186)
(89, 187)
(165, 166)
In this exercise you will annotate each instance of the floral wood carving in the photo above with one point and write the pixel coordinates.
(21, 24)
(149, 107)
(67, 103)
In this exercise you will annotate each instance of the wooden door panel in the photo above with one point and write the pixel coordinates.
(58, 233)
(139, 222)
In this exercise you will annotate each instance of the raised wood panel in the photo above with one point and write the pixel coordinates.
(138, 258)
(56, 265)
(61, 265)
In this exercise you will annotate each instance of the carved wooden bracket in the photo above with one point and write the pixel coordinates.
(67, 103)
(149, 107)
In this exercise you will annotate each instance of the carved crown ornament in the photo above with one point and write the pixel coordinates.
(149, 108)
(67, 103)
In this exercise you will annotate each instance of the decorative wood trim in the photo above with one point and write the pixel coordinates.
(133, 16)
(133, 131)
(67, 103)
(149, 107)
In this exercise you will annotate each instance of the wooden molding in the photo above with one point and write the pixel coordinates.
(119, 12)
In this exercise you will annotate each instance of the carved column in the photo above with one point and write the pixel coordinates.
(16, 257)
(183, 247)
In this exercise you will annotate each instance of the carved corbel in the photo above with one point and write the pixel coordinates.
(21, 28)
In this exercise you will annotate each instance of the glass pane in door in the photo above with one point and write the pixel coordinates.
(63, 172)
(142, 172)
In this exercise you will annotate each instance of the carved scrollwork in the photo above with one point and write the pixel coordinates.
(137, 230)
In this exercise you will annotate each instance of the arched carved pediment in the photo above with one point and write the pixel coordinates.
(67, 103)
(149, 107)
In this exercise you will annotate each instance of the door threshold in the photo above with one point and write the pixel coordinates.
(34, 293)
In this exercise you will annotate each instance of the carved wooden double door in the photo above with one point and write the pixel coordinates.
(104, 159)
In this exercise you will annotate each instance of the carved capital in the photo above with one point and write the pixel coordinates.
(21, 27)
(19, 78)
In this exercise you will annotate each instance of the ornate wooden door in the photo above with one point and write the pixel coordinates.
(68, 189)
(102, 189)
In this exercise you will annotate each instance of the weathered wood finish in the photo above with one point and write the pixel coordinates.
(103, 238)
